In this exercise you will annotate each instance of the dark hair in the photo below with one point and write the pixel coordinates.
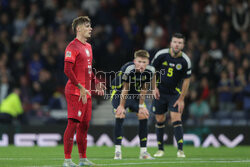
(141, 53)
(79, 20)
(178, 35)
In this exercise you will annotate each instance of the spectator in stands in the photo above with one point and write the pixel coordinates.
(4, 87)
(247, 50)
(204, 88)
(11, 107)
(20, 23)
(240, 83)
(57, 101)
(17, 66)
(246, 98)
(241, 16)
(91, 6)
(199, 109)
(26, 92)
(152, 31)
(246, 66)
(35, 65)
(47, 85)
(205, 65)
(225, 88)
(6, 25)
(69, 12)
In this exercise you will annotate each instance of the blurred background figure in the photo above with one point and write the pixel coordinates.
(11, 108)
(199, 109)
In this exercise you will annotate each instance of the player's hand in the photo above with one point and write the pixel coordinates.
(120, 112)
(143, 111)
(156, 94)
(83, 94)
(180, 103)
(100, 89)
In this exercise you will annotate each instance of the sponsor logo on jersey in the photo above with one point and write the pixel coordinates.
(171, 64)
(68, 54)
(178, 66)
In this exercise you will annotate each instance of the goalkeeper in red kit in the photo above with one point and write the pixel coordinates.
(78, 68)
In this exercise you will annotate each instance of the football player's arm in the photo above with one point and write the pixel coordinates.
(185, 86)
(155, 90)
(69, 61)
(124, 93)
(180, 101)
(68, 70)
(120, 111)
(125, 88)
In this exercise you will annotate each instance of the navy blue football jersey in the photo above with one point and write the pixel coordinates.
(135, 79)
(171, 71)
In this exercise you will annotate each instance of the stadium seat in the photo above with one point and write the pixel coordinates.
(226, 122)
(223, 114)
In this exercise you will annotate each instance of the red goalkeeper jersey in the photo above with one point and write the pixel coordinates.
(80, 54)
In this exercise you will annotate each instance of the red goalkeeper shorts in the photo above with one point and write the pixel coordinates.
(77, 110)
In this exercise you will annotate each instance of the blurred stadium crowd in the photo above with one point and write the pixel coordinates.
(35, 33)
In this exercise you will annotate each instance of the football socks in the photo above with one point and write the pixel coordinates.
(143, 132)
(81, 138)
(178, 133)
(159, 128)
(68, 138)
(118, 131)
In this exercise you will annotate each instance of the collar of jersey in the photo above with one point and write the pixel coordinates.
(80, 41)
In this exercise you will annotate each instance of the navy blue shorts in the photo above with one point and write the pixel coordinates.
(165, 103)
(132, 102)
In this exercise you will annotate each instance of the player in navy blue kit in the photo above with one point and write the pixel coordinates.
(129, 91)
(175, 67)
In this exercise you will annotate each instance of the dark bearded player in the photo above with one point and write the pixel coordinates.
(168, 96)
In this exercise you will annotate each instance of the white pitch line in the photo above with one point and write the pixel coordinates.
(164, 159)
(173, 162)
(157, 162)
(43, 166)
(11, 159)
(136, 159)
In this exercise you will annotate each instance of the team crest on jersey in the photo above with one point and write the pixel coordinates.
(87, 52)
(178, 66)
(68, 54)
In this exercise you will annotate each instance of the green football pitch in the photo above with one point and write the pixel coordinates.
(103, 156)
